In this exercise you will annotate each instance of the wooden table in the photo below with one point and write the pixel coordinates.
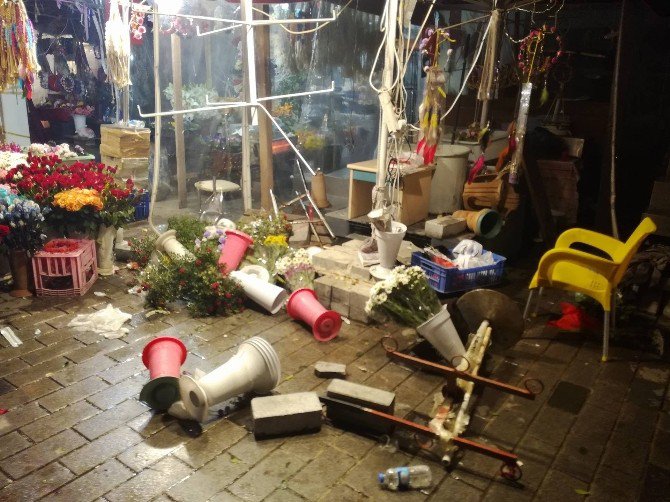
(413, 196)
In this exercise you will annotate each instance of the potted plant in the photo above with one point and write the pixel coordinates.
(21, 223)
(407, 297)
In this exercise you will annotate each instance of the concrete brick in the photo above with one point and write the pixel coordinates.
(355, 244)
(340, 308)
(326, 369)
(340, 291)
(405, 252)
(323, 288)
(286, 414)
(359, 315)
(444, 226)
(358, 296)
(361, 395)
(301, 235)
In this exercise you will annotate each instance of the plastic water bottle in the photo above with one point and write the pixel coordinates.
(406, 478)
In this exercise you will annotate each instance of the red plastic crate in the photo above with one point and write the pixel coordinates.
(66, 274)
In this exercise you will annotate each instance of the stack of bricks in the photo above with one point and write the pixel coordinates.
(345, 297)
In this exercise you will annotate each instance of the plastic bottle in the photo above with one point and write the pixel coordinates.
(406, 478)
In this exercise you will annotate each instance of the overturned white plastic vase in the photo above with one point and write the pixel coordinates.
(388, 244)
(105, 249)
(440, 331)
(268, 296)
(255, 368)
(167, 243)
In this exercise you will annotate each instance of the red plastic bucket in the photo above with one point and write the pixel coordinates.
(234, 249)
(304, 305)
(164, 356)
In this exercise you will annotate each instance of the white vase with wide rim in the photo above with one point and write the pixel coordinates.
(440, 331)
(388, 245)
(105, 249)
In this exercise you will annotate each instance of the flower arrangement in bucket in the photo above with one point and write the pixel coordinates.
(297, 270)
(406, 297)
(269, 252)
(21, 225)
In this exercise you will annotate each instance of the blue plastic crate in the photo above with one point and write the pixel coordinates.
(142, 208)
(451, 280)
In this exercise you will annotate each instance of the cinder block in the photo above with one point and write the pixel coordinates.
(361, 395)
(323, 288)
(444, 226)
(359, 315)
(358, 296)
(286, 414)
(340, 292)
(340, 308)
(355, 244)
(358, 271)
(332, 260)
(324, 369)
(301, 235)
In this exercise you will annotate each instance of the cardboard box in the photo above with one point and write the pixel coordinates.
(124, 142)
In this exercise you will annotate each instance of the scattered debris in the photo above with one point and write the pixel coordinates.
(38, 332)
(101, 294)
(3, 411)
(107, 322)
(325, 369)
(10, 336)
(406, 478)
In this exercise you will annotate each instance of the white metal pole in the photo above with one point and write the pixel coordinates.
(250, 96)
(387, 81)
(158, 121)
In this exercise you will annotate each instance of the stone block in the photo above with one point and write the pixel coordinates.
(332, 260)
(355, 244)
(444, 226)
(301, 235)
(405, 253)
(361, 395)
(324, 369)
(340, 292)
(340, 308)
(286, 414)
(358, 271)
(358, 296)
(323, 288)
(359, 315)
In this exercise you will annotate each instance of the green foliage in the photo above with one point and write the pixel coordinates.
(199, 282)
(188, 230)
(142, 247)
(265, 225)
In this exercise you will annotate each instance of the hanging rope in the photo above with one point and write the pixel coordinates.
(117, 45)
(490, 57)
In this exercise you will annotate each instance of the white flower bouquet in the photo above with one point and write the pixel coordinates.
(297, 270)
(405, 296)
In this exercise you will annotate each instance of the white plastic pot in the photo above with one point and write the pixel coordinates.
(255, 367)
(256, 271)
(440, 331)
(446, 190)
(79, 122)
(268, 296)
(105, 249)
(168, 243)
(388, 244)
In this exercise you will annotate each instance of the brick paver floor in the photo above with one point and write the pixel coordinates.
(75, 431)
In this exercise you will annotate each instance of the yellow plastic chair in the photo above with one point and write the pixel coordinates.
(570, 269)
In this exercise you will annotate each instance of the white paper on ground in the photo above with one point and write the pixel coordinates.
(107, 322)
(11, 337)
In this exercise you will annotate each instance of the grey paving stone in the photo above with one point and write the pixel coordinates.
(12, 443)
(210, 444)
(27, 393)
(211, 479)
(11, 421)
(108, 420)
(325, 369)
(73, 393)
(151, 483)
(321, 474)
(38, 455)
(98, 451)
(37, 484)
(94, 483)
(153, 449)
(56, 422)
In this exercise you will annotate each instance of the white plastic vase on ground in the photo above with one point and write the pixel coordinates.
(105, 249)
(268, 296)
(168, 243)
(440, 331)
(388, 244)
(255, 367)
(79, 122)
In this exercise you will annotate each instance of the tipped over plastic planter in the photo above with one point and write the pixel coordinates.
(270, 297)
(167, 243)
(234, 249)
(163, 357)
(304, 305)
(255, 367)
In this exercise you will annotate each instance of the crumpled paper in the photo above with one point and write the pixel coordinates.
(107, 322)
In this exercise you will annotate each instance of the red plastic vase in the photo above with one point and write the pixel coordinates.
(234, 249)
(303, 305)
(163, 357)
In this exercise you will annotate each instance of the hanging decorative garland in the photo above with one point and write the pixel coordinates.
(18, 55)
(117, 46)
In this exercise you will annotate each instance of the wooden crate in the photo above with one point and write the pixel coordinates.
(136, 168)
(124, 142)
